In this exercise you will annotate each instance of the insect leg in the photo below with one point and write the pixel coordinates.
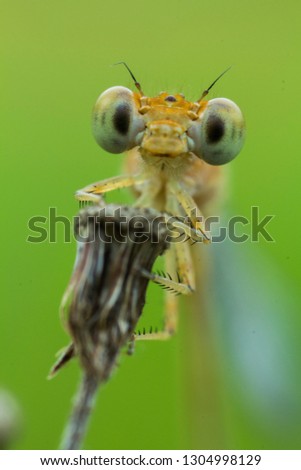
(93, 191)
(178, 259)
(179, 253)
(189, 206)
(178, 287)
(180, 256)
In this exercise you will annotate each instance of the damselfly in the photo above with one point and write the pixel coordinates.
(175, 150)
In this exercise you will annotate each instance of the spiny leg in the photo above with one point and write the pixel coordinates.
(171, 300)
(182, 228)
(94, 191)
(179, 253)
(184, 263)
(178, 259)
(177, 287)
(189, 206)
(171, 307)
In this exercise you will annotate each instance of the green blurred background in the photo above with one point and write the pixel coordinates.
(231, 378)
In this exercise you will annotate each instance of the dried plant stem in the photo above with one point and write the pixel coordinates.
(76, 427)
(105, 296)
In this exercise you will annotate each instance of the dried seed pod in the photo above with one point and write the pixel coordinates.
(106, 293)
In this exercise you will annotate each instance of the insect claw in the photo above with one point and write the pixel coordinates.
(144, 331)
(150, 330)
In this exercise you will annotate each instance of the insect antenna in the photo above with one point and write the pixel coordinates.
(205, 92)
(137, 84)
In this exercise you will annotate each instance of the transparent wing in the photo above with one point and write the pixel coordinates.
(242, 341)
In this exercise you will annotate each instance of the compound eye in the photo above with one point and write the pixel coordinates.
(218, 135)
(116, 120)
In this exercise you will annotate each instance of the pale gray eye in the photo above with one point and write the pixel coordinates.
(218, 135)
(116, 120)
